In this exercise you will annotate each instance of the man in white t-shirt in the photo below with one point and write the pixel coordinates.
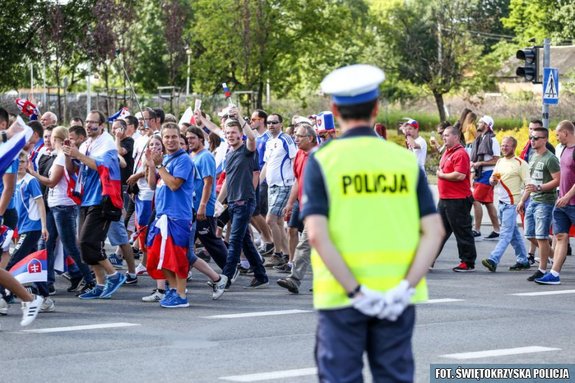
(485, 152)
(415, 142)
(278, 173)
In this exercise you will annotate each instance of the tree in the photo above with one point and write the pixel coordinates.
(291, 43)
(20, 23)
(429, 45)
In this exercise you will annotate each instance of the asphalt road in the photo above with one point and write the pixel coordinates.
(274, 334)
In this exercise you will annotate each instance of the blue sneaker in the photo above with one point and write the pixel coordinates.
(175, 301)
(116, 261)
(548, 279)
(93, 293)
(169, 294)
(112, 284)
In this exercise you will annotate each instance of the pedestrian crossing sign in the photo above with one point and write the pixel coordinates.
(550, 86)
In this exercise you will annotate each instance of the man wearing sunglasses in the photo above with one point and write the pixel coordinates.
(278, 172)
(544, 170)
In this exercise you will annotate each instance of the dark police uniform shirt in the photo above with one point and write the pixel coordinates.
(315, 197)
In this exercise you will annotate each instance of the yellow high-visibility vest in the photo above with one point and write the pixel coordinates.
(373, 216)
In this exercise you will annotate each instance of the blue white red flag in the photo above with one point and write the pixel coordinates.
(167, 243)
(123, 112)
(10, 149)
(27, 108)
(33, 268)
(104, 152)
(227, 92)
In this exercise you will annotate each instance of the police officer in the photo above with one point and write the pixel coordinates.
(375, 232)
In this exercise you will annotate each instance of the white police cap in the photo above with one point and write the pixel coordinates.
(354, 84)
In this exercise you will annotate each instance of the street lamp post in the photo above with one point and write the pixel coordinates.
(189, 53)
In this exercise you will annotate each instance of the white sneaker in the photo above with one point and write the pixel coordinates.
(3, 307)
(156, 296)
(190, 276)
(219, 287)
(141, 269)
(47, 306)
(30, 310)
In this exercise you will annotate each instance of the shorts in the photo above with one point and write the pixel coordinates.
(294, 220)
(538, 220)
(117, 233)
(482, 193)
(563, 218)
(277, 199)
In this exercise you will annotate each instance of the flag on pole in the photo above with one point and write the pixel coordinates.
(27, 108)
(10, 149)
(227, 92)
(123, 112)
(32, 268)
(188, 117)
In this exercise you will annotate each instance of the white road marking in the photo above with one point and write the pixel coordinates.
(500, 352)
(258, 314)
(81, 328)
(555, 292)
(441, 300)
(271, 375)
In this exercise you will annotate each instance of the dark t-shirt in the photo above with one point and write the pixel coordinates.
(128, 144)
(239, 167)
(44, 164)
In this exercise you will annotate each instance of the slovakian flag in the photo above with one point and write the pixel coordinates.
(123, 112)
(33, 268)
(10, 149)
(167, 243)
(105, 154)
(227, 92)
(27, 108)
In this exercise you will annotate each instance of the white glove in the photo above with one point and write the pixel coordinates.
(369, 302)
(396, 300)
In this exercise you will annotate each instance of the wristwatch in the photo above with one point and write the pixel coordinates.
(539, 188)
(160, 166)
(354, 292)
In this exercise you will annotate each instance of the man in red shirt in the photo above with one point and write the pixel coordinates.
(305, 140)
(455, 199)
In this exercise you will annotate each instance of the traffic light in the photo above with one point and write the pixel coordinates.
(530, 71)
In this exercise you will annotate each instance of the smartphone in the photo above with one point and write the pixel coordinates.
(67, 142)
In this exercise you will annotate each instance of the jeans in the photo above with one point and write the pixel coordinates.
(456, 217)
(240, 239)
(61, 222)
(538, 218)
(509, 234)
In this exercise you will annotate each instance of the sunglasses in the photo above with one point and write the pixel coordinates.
(273, 122)
(535, 138)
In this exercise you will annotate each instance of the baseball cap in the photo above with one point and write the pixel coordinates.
(353, 84)
(412, 122)
(488, 121)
